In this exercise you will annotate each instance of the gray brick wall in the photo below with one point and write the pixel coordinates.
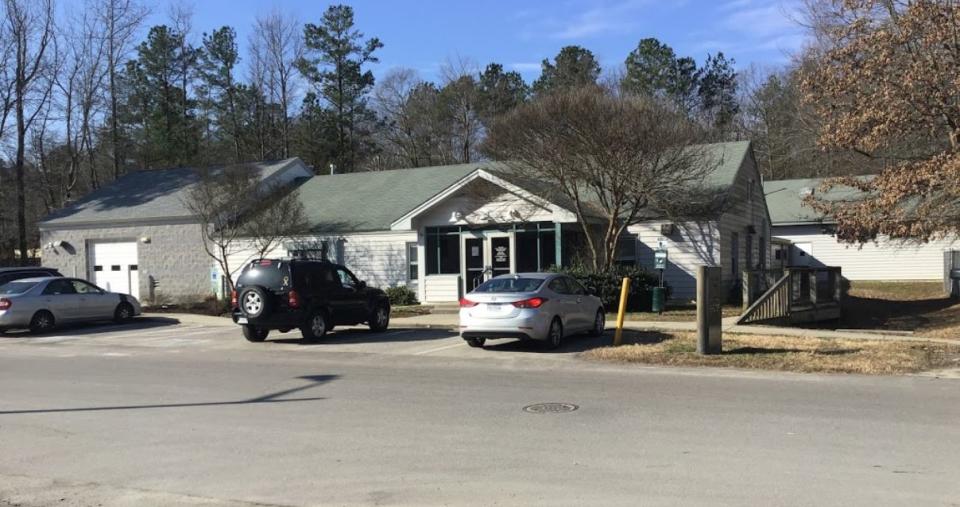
(174, 256)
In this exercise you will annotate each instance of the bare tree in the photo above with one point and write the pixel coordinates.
(276, 45)
(120, 20)
(413, 122)
(615, 159)
(30, 27)
(236, 210)
(460, 95)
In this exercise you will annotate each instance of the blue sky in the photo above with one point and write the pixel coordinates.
(422, 35)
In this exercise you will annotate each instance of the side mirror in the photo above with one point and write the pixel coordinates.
(362, 285)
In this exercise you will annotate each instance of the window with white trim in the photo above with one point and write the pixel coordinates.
(627, 250)
(413, 262)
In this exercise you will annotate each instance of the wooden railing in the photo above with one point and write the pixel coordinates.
(800, 295)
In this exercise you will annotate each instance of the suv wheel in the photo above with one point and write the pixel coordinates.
(315, 327)
(254, 302)
(380, 317)
(476, 343)
(254, 334)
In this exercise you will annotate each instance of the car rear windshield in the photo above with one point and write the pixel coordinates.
(16, 287)
(266, 273)
(510, 285)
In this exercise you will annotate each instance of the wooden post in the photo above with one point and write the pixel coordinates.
(709, 310)
(748, 289)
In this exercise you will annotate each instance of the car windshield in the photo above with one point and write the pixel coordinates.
(510, 285)
(16, 287)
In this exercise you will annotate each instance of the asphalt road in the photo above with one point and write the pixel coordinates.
(164, 414)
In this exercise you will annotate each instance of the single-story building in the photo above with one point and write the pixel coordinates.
(439, 230)
(813, 243)
(136, 234)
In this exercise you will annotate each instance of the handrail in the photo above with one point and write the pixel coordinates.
(798, 296)
(764, 304)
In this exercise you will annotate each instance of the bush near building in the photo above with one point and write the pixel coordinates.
(607, 282)
(401, 296)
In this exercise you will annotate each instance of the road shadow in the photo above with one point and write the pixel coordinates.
(274, 397)
(352, 336)
(574, 344)
(82, 328)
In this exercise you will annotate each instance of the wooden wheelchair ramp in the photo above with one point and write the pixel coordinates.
(801, 295)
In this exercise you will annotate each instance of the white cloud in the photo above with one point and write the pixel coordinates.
(570, 20)
(525, 66)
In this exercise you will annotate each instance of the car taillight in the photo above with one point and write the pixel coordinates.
(5, 304)
(233, 299)
(530, 303)
(293, 299)
(466, 303)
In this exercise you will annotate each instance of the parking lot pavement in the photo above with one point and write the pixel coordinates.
(170, 334)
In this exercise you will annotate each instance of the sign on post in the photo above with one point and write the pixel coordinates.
(660, 258)
(709, 310)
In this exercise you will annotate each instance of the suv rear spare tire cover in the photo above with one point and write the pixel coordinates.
(254, 302)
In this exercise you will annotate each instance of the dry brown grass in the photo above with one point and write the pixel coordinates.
(673, 314)
(807, 355)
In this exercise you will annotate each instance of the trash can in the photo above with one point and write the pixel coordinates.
(659, 298)
(955, 283)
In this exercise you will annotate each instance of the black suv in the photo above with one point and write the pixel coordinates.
(312, 296)
(11, 274)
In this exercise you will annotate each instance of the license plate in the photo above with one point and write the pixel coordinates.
(242, 320)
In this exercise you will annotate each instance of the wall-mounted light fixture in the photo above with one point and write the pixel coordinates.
(455, 217)
(145, 240)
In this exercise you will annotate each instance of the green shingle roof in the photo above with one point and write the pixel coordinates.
(372, 201)
(142, 196)
(785, 200)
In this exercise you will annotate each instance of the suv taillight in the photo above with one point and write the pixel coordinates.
(5, 304)
(466, 303)
(293, 299)
(233, 299)
(530, 303)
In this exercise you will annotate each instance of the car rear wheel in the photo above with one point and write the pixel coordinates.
(315, 327)
(254, 302)
(123, 313)
(379, 318)
(42, 322)
(599, 322)
(476, 343)
(254, 334)
(555, 335)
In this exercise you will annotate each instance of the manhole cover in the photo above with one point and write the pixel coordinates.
(550, 408)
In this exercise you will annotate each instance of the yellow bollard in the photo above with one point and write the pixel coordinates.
(624, 290)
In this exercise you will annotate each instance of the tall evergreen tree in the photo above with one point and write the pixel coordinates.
(158, 106)
(334, 65)
(573, 67)
(718, 91)
(500, 91)
(220, 91)
(654, 69)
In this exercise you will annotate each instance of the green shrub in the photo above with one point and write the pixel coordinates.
(606, 284)
(401, 296)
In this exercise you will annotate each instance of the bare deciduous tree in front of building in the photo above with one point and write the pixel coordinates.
(616, 158)
(238, 213)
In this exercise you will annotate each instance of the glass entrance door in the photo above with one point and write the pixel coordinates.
(485, 255)
(473, 262)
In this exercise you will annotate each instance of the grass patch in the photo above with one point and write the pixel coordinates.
(409, 311)
(897, 291)
(920, 307)
(673, 314)
(805, 355)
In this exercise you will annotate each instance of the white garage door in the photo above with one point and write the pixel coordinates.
(115, 267)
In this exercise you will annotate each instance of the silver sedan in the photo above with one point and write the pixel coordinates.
(533, 306)
(41, 304)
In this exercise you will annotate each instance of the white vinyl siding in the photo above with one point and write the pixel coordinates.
(881, 260)
(690, 245)
(748, 209)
